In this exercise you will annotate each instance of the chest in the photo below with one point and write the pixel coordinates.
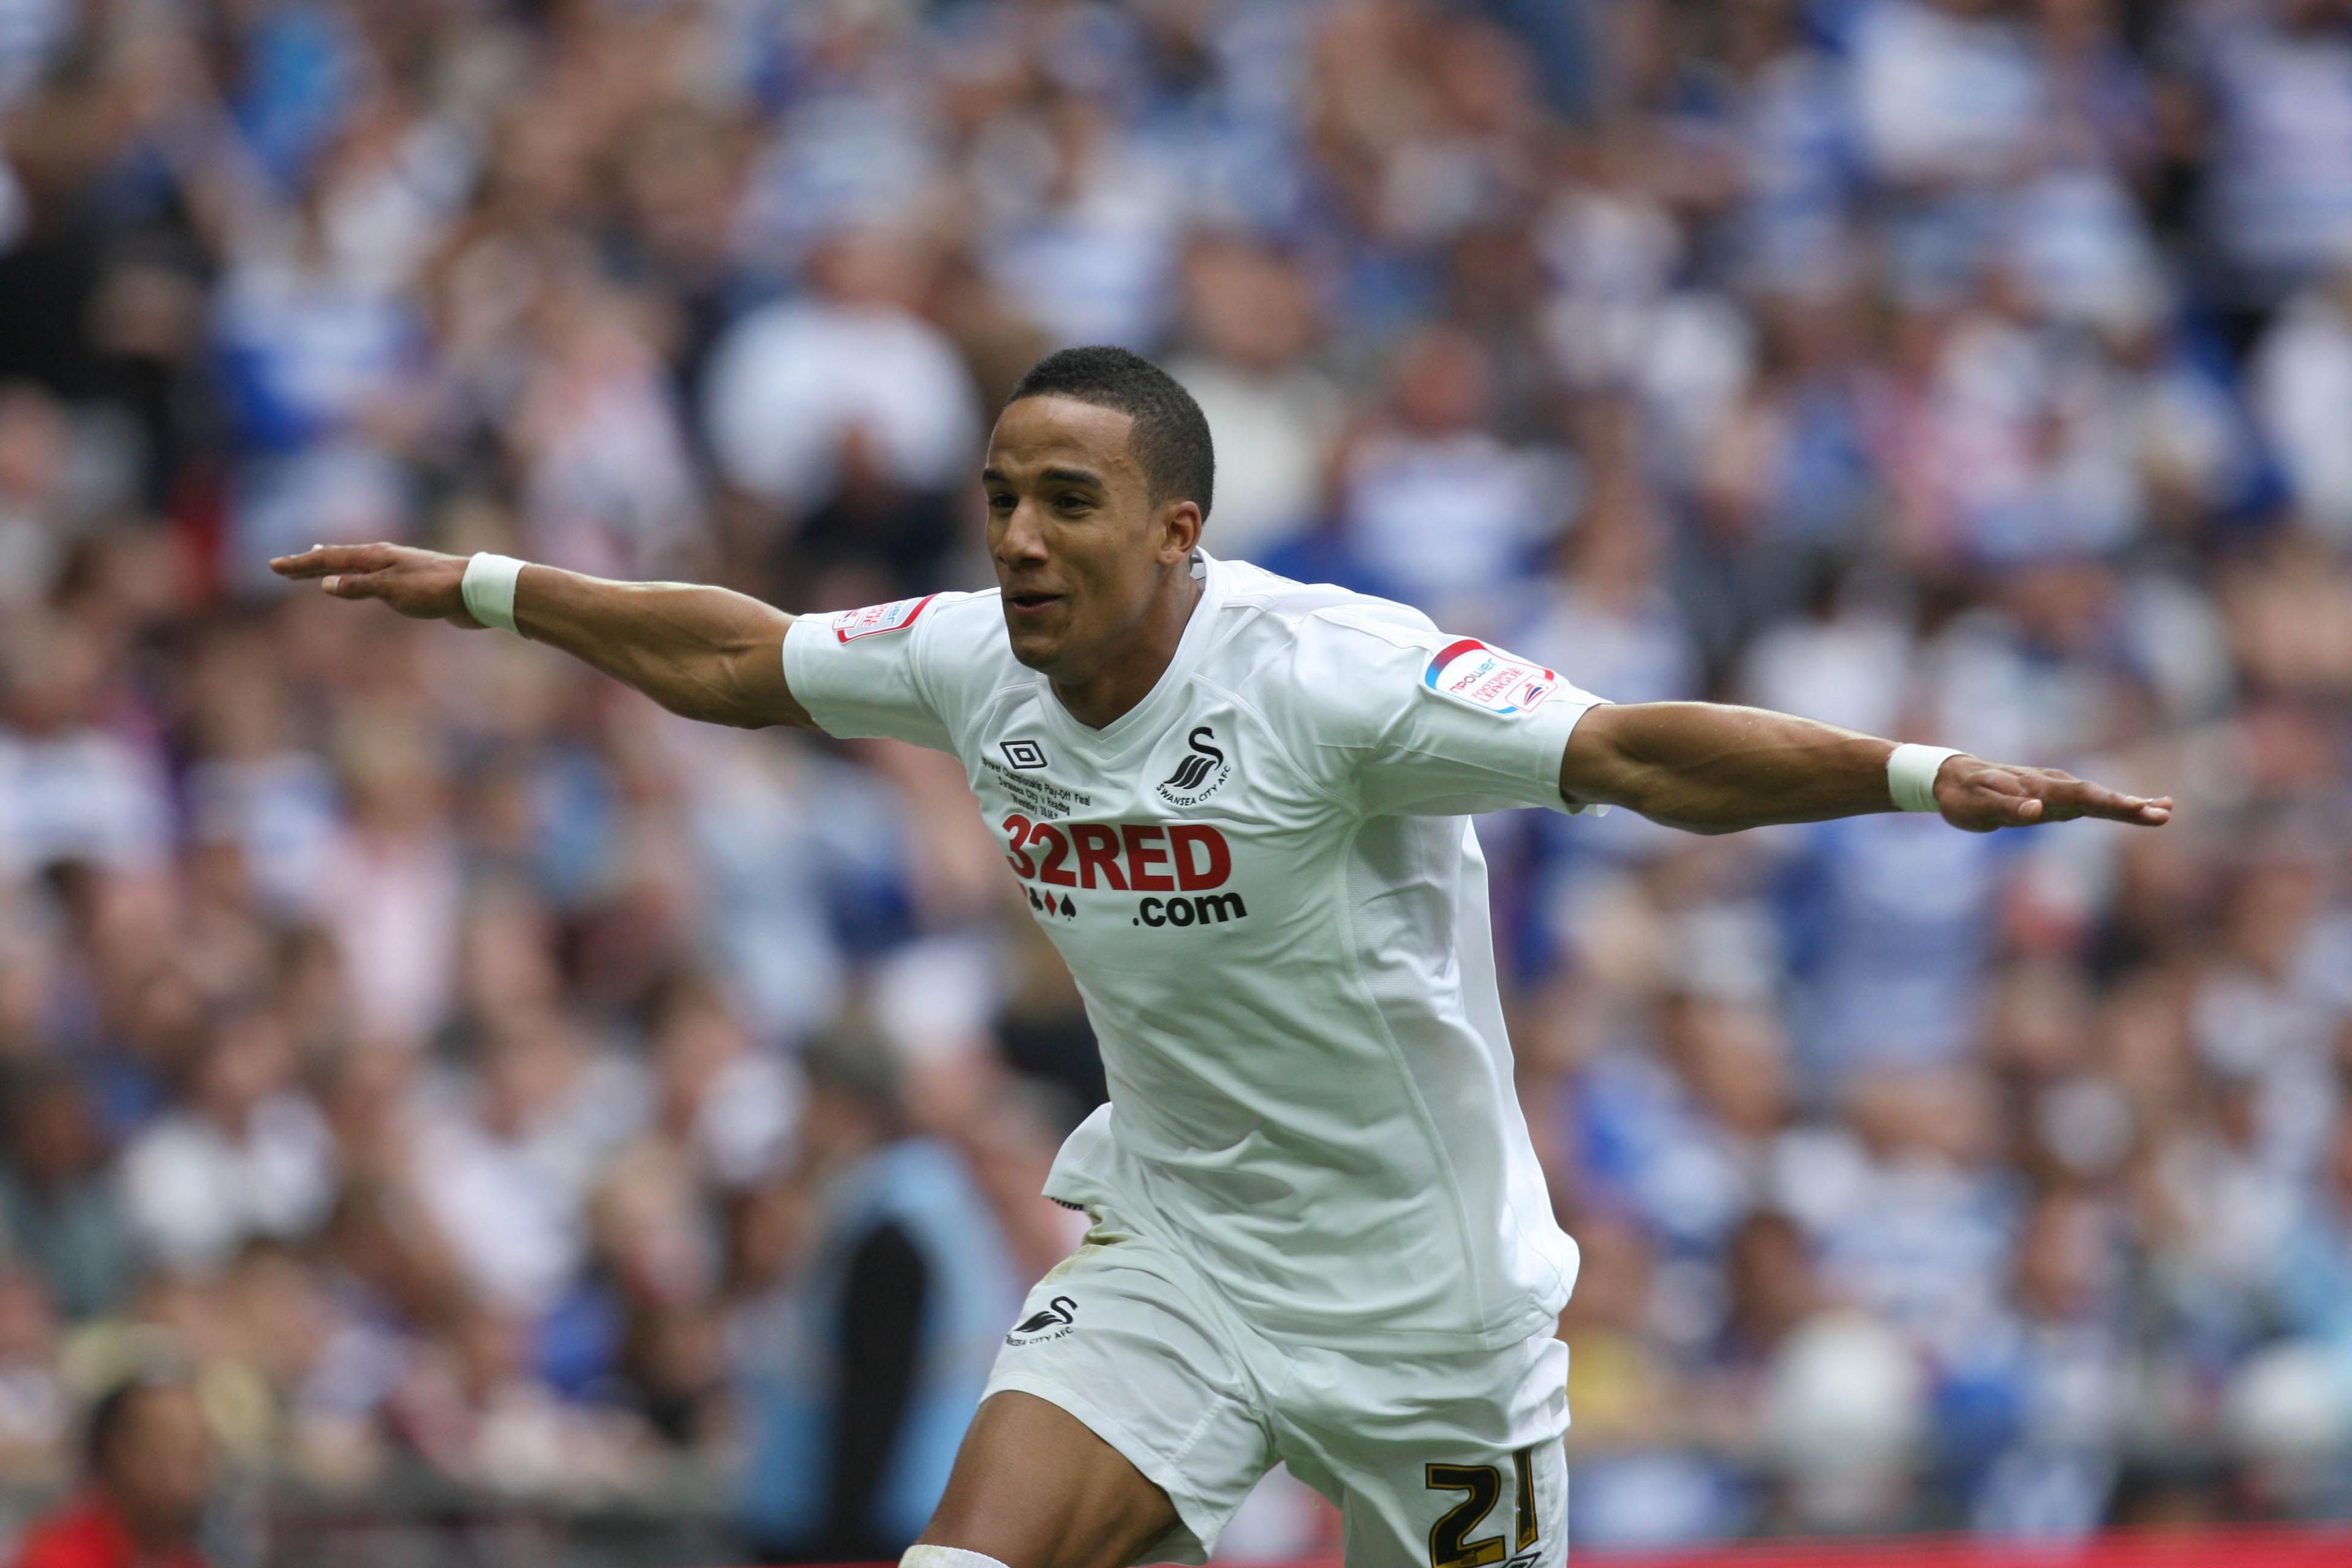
(1202, 832)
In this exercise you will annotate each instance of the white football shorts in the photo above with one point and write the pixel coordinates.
(1444, 1461)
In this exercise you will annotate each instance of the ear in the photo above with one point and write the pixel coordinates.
(1179, 531)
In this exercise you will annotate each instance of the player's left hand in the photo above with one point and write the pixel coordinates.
(423, 584)
(1981, 796)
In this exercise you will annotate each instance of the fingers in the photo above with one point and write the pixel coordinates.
(305, 564)
(1995, 807)
(345, 571)
(315, 562)
(358, 584)
(322, 559)
(2022, 797)
(2080, 797)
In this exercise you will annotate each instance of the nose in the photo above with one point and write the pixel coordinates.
(1021, 540)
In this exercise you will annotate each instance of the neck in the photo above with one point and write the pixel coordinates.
(1127, 676)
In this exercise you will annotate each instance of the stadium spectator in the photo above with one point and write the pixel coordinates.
(148, 1478)
(1271, 411)
(870, 1361)
(60, 1202)
(1945, 368)
(1430, 495)
(36, 1413)
(248, 1156)
(847, 417)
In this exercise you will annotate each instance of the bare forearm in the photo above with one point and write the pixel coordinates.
(1711, 768)
(706, 653)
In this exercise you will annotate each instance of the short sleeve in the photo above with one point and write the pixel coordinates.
(860, 673)
(1417, 722)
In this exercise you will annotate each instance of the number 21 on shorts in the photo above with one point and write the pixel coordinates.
(1450, 1545)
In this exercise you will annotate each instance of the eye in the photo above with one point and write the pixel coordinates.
(1074, 505)
(1000, 500)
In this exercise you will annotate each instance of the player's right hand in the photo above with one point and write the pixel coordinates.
(423, 584)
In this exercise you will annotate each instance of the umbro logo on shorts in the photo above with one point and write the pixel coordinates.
(1052, 1324)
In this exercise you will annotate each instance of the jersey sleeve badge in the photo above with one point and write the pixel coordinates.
(1468, 672)
(875, 619)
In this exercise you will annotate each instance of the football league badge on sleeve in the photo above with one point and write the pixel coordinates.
(1468, 670)
(896, 617)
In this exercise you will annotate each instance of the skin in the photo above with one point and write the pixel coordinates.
(1096, 570)
(158, 1471)
(1034, 1488)
(1097, 591)
(1706, 767)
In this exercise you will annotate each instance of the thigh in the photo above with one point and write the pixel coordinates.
(1440, 1461)
(1120, 1424)
(1034, 1487)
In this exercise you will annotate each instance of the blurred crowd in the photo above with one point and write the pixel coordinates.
(407, 1033)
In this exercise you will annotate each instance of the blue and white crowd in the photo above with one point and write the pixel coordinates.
(406, 1026)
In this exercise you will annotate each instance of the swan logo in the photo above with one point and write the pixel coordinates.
(1054, 1322)
(1201, 775)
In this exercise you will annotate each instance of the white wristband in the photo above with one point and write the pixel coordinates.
(1911, 775)
(946, 1557)
(488, 587)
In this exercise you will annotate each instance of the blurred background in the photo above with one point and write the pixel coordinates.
(488, 1120)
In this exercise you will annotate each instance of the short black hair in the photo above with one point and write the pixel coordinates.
(1171, 436)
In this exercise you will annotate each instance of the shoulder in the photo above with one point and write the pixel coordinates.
(964, 620)
(961, 637)
(1318, 612)
(1314, 651)
(963, 653)
(948, 636)
(905, 669)
(976, 613)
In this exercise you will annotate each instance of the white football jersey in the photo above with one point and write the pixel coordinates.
(1265, 883)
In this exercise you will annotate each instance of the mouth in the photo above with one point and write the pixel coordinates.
(1031, 603)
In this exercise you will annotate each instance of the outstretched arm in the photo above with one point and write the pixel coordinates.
(1709, 768)
(707, 653)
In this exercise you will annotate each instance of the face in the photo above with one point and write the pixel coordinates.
(160, 1470)
(1081, 551)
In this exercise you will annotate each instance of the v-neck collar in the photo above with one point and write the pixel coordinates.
(1146, 717)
